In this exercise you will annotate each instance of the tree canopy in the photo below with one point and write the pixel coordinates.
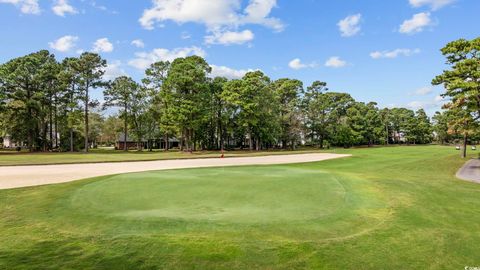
(462, 86)
(47, 105)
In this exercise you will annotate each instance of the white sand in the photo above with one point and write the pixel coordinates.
(26, 176)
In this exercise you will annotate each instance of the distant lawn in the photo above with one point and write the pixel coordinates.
(8, 158)
(383, 208)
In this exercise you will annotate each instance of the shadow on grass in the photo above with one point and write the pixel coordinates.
(70, 255)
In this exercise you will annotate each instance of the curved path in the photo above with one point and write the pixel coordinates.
(470, 171)
(26, 176)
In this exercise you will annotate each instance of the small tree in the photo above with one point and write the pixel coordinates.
(162, 108)
(120, 93)
(253, 98)
(90, 68)
(462, 85)
(288, 92)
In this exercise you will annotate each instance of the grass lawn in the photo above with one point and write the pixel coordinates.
(383, 208)
(8, 158)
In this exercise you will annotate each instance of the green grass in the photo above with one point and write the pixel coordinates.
(383, 208)
(9, 158)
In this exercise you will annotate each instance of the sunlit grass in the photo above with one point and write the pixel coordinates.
(383, 208)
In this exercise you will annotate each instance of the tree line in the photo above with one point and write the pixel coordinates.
(461, 115)
(47, 105)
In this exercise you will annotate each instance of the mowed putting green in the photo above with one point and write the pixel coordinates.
(396, 207)
(260, 199)
(254, 196)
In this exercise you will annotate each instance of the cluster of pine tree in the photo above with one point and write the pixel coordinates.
(47, 105)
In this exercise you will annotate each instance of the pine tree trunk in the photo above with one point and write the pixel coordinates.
(56, 124)
(71, 140)
(464, 152)
(71, 129)
(386, 128)
(86, 120)
(187, 140)
(220, 131)
(125, 130)
(44, 137)
(29, 128)
(182, 140)
(166, 142)
(250, 141)
(222, 140)
(50, 119)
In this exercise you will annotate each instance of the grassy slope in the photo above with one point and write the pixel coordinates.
(13, 158)
(384, 208)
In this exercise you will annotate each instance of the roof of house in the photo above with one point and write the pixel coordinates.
(121, 138)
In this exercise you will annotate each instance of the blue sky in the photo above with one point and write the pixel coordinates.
(376, 50)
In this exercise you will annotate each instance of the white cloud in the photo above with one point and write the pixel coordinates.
(394, 53)
(423, 91)
(222, 18)
(211, 13)
(64, 44)
(257, 12)
(230, 37)
(416, 24)
(138, 43)
(434, 4)
(297, 64)
(102, 45)
(113, 70)
(436, 102)
(335, 62)
(61, 7)
(144, 59)
(223, 71)
(214, 14)
(26, 6)
(415, 105)
(103, 8)
(350, 26)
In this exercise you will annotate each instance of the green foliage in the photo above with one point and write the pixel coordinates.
(256, 107)
(123, 92)
(27, 85)
(43, 100)
(288, 93)
(462, 84)
(111, 127)
(187, 83)
(161, 114)
(90, 68)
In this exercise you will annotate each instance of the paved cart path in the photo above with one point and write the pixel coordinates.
(470, 171)
(26, 176)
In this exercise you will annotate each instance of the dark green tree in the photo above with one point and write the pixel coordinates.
(187, 81)
(122, 93)
(288, 92)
